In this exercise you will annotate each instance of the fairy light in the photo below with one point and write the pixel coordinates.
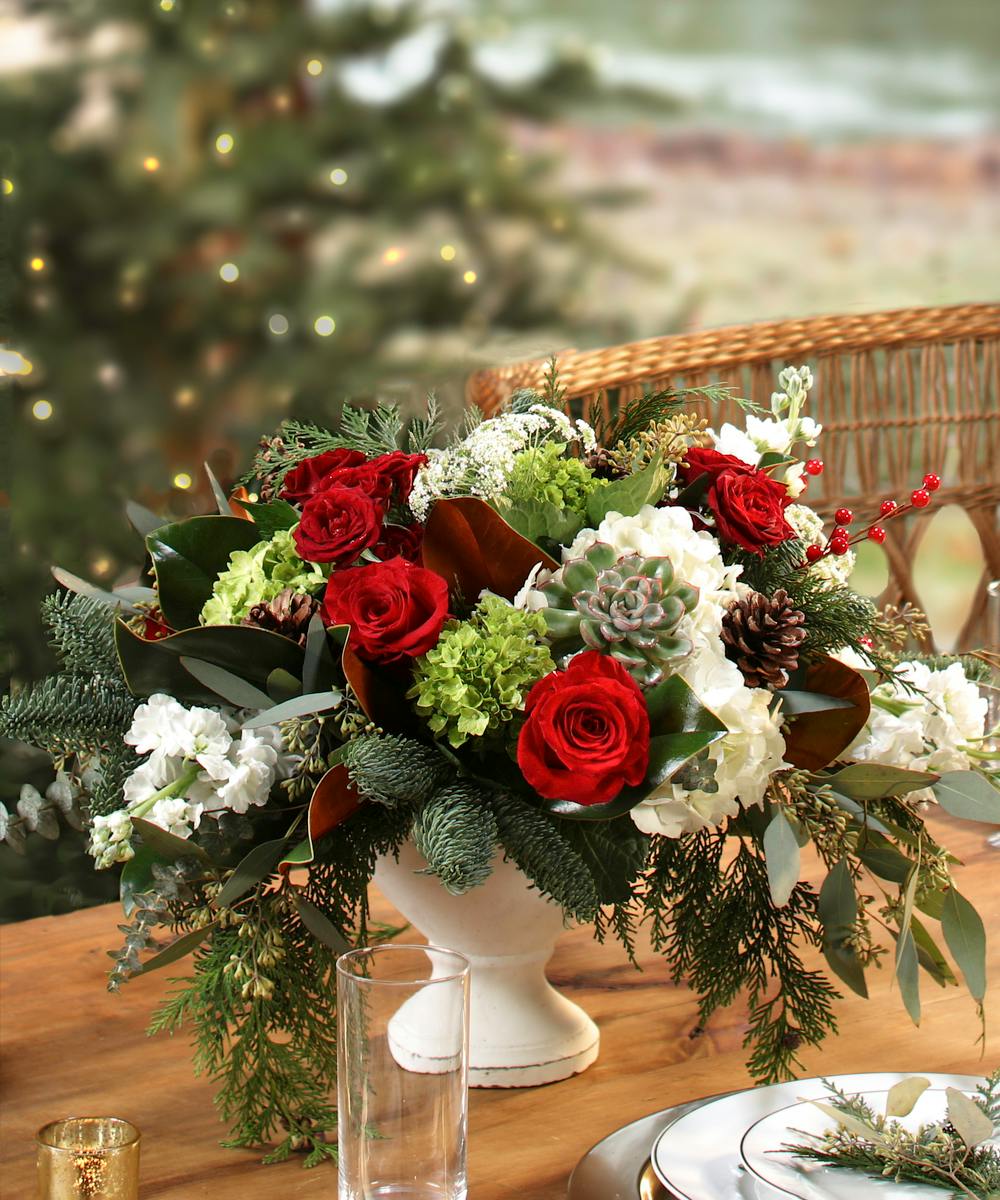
(41, 410)
(324, 325)
(150, 163)
(393, 255)
(167, 5)
(252, 497)
(101, 566)
(470, 277)
(278, 324)
(182, 481)
(13, 362)
(448, 252)
(7, 187)
(338, 176)
(224, 143)
(37, 263)
(315, 66)
(229, 272)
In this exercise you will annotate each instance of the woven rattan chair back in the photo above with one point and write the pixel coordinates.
(898, 393)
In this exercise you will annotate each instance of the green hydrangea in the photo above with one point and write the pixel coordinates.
(256, 576)
(546, 472)
(478, 675)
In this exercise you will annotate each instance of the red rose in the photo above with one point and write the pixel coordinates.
(395, 609)
(699, 461)
(400, 541)
(750, 510)
(308, 477)
(401, 469)
(337, 525)
(587, 732)
(366, 476)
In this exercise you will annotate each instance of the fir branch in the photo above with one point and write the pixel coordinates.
(456, 833)
(68, 714)
(82, 632)
(392, 770)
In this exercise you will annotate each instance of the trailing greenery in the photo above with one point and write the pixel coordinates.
(457, 835)
(718, 926)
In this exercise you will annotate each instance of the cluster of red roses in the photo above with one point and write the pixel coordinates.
(747, 504)
(395, 608)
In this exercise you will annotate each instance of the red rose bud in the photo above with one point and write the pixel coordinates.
(814, 553)
(587, 732)
(888, 507)
(395, 609)
(932, 482)
(843, 516)
(920, 498)
(400, 470)
(814, 466)
(337, 525)
(749, 509)
(309, 476)
(400, 541)
(877, 534)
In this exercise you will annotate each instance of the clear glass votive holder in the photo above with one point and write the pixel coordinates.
(402, 1073)
(88, 1158)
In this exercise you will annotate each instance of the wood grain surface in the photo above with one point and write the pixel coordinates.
(67, 1047)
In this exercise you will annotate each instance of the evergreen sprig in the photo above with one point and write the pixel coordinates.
(68, 714)
(393, 770)
(456, 833)
(82, 632)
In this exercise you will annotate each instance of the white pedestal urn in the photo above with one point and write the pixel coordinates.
(522, 1031)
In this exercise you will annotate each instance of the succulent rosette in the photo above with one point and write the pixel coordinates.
(623, 655)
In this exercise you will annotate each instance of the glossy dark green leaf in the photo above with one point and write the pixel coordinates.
(873, 781)
(184, 946)
(227, 686)
(261, 862)
(272, 517)
(628, 495)
(155, 666)
(816, 739)
(674, 708)
(670, 751)
(965, 937)
(969, 795)
(188, 556)
(782, 857)
(320, 925)
(166, 845)
(614, 853)
(316, 643)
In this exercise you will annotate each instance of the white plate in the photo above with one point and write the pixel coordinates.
(699, 1158)
(808, 1180)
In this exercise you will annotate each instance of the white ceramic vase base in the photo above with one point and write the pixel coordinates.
(523, 1032)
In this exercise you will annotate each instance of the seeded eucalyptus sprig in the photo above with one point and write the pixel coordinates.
(950, 1154)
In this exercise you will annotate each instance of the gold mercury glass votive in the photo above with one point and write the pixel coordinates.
(88, 1158)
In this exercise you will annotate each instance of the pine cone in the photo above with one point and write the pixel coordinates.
(605, 464)
(289, 614)
(628, 607)
(762, 635)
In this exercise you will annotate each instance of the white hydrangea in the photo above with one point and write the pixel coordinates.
(808, 524)
(932, 731)
(744, 759)
(481, 464)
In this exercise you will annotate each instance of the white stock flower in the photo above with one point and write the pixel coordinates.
(110, 839)
(176, 815)
(836, 568)
(736, 442)
(163, 726)
(251, 774)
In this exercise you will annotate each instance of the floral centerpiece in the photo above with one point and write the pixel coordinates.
(621, 654)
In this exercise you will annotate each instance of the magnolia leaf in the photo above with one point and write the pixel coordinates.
(972, 1125)
(380, 690)
(674, 708)
(783, 858)
(270, 518)
(179, 949)
(333, 801)
(226, 685)
(848, 1121)
(630, 494)
(874, 781)
(320, 925)
(816, 739)
(282, 685)
(908, 974)
(297, 706)
(258, 864)
(221, 500)
(613, 854)
(968, 795)
(472, 547)
(188, 557)
(965, 937)
(904, 1095)
(167, 845)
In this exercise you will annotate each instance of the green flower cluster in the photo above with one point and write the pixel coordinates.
(547, 472)
(256, 576)
(478, 675)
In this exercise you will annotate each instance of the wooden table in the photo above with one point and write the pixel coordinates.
(68, 1047)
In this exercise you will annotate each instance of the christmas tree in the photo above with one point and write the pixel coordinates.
(223, 213)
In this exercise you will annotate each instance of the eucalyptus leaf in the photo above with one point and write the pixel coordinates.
(972, 1125)
(794, 701)
(220, 496)
(136, 877)
(226, 685)
(320, 925)
(882, 858)
(783, 858)
(847, 1121)
(316, 642)
(282, 685)
(965, 937)
(908, 974)
(184, 946)
(845, 964)
(874, 781)
(929, 955)
(261, 862)
(904, 1095)
(143, 520)
(298, 706)
(81, 587)
(838, 903)
(969, 795)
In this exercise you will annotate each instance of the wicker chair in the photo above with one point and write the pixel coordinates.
(897, 393)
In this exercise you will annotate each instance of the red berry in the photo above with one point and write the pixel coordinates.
(814, 466)
(843, 516)
(877, 534)
(932, 482)
(867, 642)
(920, 498)
(888, 507)
(839, 546)
(814, 553)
